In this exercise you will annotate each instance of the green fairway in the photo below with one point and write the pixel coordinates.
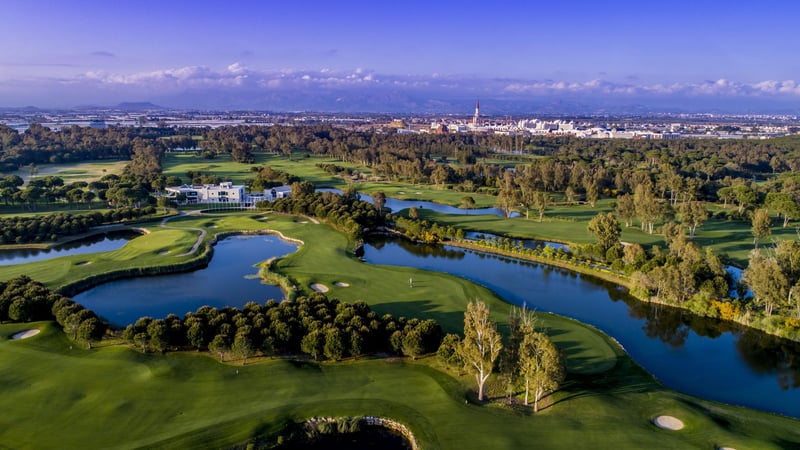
(178, 164)
(185, 400)
(181, 400)
(81, 171)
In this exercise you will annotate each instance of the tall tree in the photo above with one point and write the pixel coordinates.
(481, 344)
(761, 226)
(541, 200)
(379, 199)
(243, 346)
(540, 365)
(693, 214)
(768, 283)
(605, 228)
(626, 209)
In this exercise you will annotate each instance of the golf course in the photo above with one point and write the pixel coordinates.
(60, 395)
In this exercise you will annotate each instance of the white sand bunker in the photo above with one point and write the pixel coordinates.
(342, 284)
(165, 252)
(83, 263)
(319, 287)
(668, 423)
(26, 334)
(305, 221)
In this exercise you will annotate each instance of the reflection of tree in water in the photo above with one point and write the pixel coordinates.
(767, 354)
(424, 250)
(661, 322)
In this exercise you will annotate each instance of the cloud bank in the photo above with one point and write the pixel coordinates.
(238, 86)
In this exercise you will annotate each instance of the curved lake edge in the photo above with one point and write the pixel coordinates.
(197, 262)
(605, 275)
(77, 237)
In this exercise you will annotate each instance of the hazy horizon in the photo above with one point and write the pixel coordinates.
(518, 56)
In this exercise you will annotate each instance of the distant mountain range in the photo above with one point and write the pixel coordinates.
(405, 102)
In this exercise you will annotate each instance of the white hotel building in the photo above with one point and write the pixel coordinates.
(227, 193)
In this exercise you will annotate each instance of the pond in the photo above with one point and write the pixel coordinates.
(707, 358)
(97, 243)
(395, 205)
(230, 279)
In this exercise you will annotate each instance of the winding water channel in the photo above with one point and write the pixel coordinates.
(707, 358)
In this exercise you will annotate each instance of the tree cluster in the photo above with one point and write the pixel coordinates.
(528, 360)
(25, 300)
(317, 326)
(48, 228)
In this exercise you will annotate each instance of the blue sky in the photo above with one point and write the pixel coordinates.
(254, 53)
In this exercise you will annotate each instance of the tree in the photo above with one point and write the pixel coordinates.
(761, 226)
(448, 351)
(467, 202)
(379, 199)
(90, 330)
(592, 193)
(540, 365)
(508, 195)
(219, 345)
(693, 214)
(334, 344)
(605, 228)
(784, 205)
(626, 209)
(313, 343)
(768, 283)
(242, 344)
(541, 201)
(412, 344)
(481, 344)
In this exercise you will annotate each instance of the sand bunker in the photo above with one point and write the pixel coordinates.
(165, 252)
(26, 334)
(83, 263)
(319, 287)
(668, 423)
(342, 284)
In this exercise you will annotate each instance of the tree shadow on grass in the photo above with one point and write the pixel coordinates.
(451, 322)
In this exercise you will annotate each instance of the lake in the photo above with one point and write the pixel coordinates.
(230, 279)
(710, 359)
(97, 243)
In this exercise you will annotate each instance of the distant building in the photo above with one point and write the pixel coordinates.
(226, 193)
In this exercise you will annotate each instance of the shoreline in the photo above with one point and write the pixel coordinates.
(743, 320)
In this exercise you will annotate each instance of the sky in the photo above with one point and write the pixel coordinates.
(385, 56)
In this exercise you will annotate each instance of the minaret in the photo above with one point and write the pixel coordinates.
(477, 112)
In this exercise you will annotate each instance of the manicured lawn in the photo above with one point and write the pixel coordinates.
(71, 172)
(178, 164)
(59, 396)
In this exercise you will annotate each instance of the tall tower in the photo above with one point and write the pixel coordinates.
(477, 112)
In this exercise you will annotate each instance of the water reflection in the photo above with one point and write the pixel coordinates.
(709, 358)
(97, 243)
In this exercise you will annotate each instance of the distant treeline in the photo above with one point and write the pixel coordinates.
(48, 228)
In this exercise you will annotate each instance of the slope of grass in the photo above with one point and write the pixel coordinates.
(186, 400)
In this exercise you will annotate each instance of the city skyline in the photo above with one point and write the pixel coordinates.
(412, 56)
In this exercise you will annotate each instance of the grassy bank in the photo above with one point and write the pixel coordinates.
(188, 400)
(184, 400)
